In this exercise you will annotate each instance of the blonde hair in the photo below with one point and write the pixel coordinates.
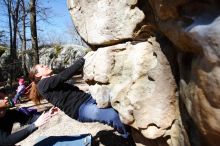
(34, 93)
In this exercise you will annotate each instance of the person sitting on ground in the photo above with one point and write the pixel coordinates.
(74, 102)
(9, 117)
(20, 91)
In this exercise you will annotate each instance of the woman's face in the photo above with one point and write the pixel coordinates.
(42, 70)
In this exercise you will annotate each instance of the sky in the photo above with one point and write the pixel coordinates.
(59, 12)
(58, 26)
(59, 20)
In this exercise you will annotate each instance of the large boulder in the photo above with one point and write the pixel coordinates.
(192, 27)
(105, 22)
(137, 80)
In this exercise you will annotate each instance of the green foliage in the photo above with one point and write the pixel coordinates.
(2, 50)
(58, 49)
(65, 61)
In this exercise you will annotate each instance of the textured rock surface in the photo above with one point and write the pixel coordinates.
(133, 77)
(104, 22)
(194, 27)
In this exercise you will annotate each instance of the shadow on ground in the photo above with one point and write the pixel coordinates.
(104, 137)
(109, 138)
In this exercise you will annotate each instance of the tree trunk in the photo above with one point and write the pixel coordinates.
(15, 30)
(33, 24)
(8, 4)
(23, 55)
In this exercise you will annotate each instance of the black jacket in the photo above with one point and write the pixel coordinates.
(61, 94)
(6, 124)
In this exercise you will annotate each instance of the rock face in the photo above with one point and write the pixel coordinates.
(132, 78)
(4, 57)
(105, 22)
(194, 27)
(140, 85)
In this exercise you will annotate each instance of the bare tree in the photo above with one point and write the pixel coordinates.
(12, 13)
(12, 7)
(15, 13)
(18, 13)
(76, 38)
(32, 12)
(22, 36)
(71, 30)
(8, 4)
(33, 25)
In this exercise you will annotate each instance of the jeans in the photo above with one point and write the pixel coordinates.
(89, 112)
(78, 140)
(17, 97)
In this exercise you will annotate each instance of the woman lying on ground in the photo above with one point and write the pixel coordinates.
(69, 98)
(9, 117)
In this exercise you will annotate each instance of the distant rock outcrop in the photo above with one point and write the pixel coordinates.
(61, 57)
